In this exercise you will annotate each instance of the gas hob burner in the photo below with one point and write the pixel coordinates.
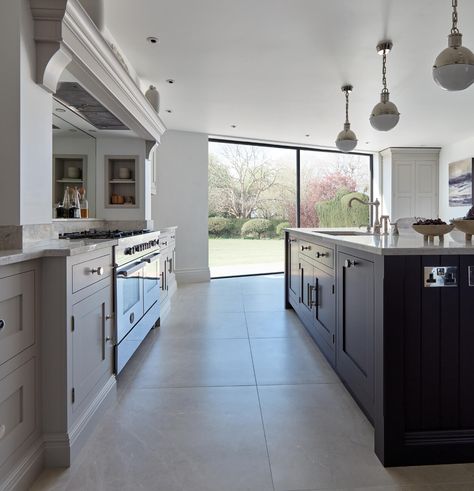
(102, 234)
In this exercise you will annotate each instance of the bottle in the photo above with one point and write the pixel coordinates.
(74, 209)
(84, 204)
(59, 210)
(66, 202)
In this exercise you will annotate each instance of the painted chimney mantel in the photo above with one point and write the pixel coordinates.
(65, 36)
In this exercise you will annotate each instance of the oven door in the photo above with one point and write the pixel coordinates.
(151, 280)
(129, 298)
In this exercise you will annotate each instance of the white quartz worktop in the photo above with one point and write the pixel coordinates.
(54, 247)
(407, 243)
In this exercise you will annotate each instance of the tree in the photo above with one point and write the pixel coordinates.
(238, 182)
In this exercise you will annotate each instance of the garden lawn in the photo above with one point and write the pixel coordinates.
(229, 257)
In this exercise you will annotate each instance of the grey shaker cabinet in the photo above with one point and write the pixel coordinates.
(91, 346)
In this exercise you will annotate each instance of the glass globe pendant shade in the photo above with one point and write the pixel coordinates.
(346, 140)
(385, 115)
(454, 67)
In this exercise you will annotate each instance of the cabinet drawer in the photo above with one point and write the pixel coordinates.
(89, 272)
(321, 254)
(17, 408)
(17, 314)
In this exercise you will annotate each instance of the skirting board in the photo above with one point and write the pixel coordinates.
(26, 471)
(61, 449)
(193, 275)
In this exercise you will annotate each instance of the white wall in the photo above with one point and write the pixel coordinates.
(451, 153)
(182, 200)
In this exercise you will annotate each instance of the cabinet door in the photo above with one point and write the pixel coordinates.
(164, 276)
(294, 278)
(17, 314)
(91, 351)
(426, 198)
(325, 305)
(355, 336)
(404, 190)
(307, 286)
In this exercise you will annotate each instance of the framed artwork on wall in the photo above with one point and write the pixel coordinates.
(460, 182)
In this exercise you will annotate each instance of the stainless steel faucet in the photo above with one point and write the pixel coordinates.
(376, 205)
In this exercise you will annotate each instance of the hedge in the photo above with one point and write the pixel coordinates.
(256, 227)
(336, 212)
(280, 228)
(220, 226)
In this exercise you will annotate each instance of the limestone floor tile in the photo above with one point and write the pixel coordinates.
(263, 302)
(279, 324)
(318, 439)
(290, 361)
(262, 284)
(216, 304)
(219, 325)
(198, 439)
(196, 362)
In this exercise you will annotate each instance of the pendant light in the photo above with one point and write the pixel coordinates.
(385, 114)
(454, 66)
(346, 140)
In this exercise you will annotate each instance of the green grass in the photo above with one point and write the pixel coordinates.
(231, 252)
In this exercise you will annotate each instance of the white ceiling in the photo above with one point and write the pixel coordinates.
(275, 67)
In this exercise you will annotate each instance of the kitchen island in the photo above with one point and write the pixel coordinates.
(393, 316)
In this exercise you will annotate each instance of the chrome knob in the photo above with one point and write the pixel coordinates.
(108, 317)
(2, 323)
(348, 263)
(99, 270)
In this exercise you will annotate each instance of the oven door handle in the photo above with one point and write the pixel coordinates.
(152, 258)
(129, 271)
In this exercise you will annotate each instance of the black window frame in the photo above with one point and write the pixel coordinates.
(298, 149)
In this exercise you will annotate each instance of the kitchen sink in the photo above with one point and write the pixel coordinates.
(343, 232)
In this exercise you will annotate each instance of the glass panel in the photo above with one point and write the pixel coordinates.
(327, 181)
(252, 197)
(151, 276)
(131, 292)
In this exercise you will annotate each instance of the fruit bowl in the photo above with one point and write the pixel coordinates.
(430, 231)
(466, 226)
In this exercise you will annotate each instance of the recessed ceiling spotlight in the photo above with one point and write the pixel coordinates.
(307, 135)
(152, 40)
(233, 126)
(60, 110)
(170, 80)
(168, 111)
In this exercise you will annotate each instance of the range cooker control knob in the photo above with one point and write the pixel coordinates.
(128, 251)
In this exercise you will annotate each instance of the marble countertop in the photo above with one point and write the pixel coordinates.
(407, 243)
(54, 247)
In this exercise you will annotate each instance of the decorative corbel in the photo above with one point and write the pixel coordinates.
(52, 56)
(150, 145)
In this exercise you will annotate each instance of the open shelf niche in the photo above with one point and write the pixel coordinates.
(69, 170)
(121, 179)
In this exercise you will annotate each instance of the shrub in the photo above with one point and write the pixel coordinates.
(220, 226)
(256, 227)
(336, 213)
(280, 228)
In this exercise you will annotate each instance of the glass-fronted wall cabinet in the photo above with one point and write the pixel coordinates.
(121, 181)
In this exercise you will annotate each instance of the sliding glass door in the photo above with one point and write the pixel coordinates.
(256, 190)
(252, 198)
